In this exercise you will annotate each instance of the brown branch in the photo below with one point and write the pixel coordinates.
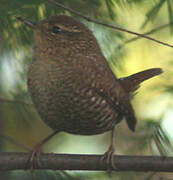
(149, 32)
(152, 31)
(110, 26)
(16, 161)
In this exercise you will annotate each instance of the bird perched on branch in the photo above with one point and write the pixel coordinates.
(71, 84)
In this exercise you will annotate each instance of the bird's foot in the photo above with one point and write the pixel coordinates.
(109, 157)
(35, 153)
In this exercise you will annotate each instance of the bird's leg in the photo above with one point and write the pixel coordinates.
(109, 155)
(37, 150)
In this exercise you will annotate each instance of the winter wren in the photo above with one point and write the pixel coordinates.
(71, 84)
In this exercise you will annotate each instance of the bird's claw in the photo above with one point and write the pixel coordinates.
(35, 153)
(109, 157)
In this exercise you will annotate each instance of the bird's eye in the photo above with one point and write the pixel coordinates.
(56, 29)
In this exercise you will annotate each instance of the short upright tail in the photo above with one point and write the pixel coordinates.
(131, 83)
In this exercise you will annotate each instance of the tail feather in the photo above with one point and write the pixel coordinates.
(131, 83)
(129, 115)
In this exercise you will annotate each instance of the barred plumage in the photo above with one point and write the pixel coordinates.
(71, 83)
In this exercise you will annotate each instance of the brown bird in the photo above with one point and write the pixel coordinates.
(71, 84)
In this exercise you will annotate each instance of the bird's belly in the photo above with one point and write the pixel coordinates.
(79, 115)
(67, 104)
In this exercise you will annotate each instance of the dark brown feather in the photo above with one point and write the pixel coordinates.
(132, 83)
(71, 83)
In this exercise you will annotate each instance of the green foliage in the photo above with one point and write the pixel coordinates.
(170, 13)
(109, 5)
(153, 12)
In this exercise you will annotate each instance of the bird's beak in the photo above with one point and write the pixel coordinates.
(27, 22)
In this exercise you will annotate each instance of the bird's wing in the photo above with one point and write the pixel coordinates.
(122, 105)
(101, 79)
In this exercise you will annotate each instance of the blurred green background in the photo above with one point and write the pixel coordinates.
(126, 55)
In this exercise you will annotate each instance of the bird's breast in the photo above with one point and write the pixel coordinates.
(66, 101)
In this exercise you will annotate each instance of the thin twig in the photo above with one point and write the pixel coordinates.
(110, 26)
(10, 139)
(150, 176)
(69, 176)
(147, 33)
(3, 100)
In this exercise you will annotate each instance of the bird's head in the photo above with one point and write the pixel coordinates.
(62, 35)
